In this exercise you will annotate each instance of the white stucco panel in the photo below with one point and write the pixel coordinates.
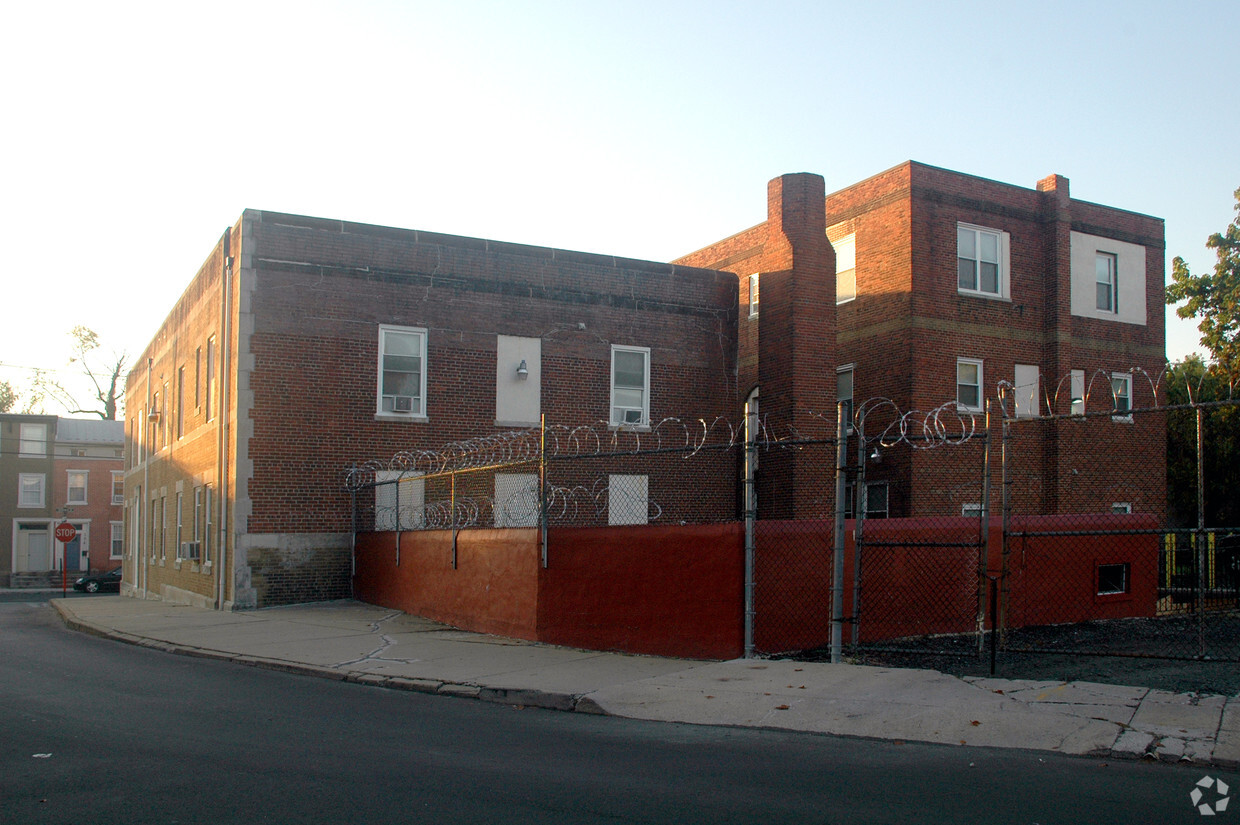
(1130, 274)
(518, 380)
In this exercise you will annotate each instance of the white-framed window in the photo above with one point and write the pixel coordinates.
(118, 487)
(30, 489)
(516, 500)
(630, 386)
(177, 543)
(118, 539)
(197, 514)
(1121, 392)
(628, 499)
(33, 443)
(207, 522)
(969, 384)
(1077, 388)
(180, 402)
(844, 393)
(981, 261)
(209, 386)
(753, 295)
(1108, 279)
(77, 487)
(845, 269)
(402, 372)
(400, 500)
(163, 527)
(1106, 271)
(1121, 508)
(971, 510)
(1025, 381)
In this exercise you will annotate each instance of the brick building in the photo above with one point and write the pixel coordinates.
(927, 287)
(304, 345)
(54, 470)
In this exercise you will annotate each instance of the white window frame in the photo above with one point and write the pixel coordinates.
(118, 477)
(754, 294)
(207, 524)
(619, 414)
(845, 269)
(628, 500)
(26, 443)
(69, 487)
(971, 510)
(851, 371)
(980, 385)
(197, 533)
(1125, 413)
(180, 512)
(1110, 282)
(209, 384)
(1002, 265)
(417, 405)
(27, 478)
(1121, 508)
(116, 540)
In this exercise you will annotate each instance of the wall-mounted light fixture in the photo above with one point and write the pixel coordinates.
(523, 372)
(876, 456)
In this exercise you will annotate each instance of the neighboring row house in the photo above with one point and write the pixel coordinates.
(55, 470)
(303, 345)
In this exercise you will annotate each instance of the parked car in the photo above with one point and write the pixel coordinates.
(109, 582)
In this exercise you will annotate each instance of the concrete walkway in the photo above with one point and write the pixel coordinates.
(372, 645)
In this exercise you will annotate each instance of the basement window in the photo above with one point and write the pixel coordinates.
(1112, 579)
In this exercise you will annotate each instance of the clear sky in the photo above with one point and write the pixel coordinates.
(134, 133)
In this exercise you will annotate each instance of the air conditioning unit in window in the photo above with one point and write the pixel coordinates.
(402, 403)
(190, 550)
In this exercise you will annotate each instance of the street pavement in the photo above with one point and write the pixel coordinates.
(371, 645)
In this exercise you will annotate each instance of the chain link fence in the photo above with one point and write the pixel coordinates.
(1086, 533)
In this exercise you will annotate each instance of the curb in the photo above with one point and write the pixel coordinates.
(515, 697)
(1129, 745)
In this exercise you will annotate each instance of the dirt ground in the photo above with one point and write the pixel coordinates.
(1156, 653)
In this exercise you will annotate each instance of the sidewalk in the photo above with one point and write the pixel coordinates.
(376, 646)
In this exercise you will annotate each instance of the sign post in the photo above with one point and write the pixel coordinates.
(65, 533)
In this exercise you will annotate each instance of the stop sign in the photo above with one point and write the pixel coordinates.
(65, 532)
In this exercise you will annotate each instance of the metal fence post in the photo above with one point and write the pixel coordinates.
(1201, 539)
(750, 514)
(983, 538)
(837, 580)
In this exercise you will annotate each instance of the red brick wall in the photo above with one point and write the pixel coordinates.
(315, 342)
(661, 591)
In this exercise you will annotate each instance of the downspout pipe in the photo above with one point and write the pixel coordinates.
(143, 570)
(225, 378)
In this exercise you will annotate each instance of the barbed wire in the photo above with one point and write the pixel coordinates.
(565, 504)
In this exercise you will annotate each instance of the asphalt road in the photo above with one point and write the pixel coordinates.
(94, 731)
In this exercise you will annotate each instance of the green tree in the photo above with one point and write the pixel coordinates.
(1214, 298)
(106, 376)
(8, 396)
(1193, 381)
